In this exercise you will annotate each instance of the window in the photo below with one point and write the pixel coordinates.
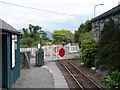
(13, 51)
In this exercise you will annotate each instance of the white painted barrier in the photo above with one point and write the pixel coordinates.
(70, 51)
(32, 50)
(50, 54)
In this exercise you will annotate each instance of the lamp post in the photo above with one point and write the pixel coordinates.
(40, 35)
(95, 8)
(39, 54)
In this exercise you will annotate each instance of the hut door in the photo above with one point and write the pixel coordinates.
(4, 61)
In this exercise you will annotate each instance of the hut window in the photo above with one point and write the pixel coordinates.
(15, 42)
(13, 51)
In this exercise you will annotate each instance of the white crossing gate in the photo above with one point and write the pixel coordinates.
(54, 52)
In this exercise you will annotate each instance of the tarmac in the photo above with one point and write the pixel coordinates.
(47, 76)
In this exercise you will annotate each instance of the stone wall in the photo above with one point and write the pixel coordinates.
(97, 26)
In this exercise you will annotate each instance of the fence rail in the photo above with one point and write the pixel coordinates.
(32, 50)
(49, 51)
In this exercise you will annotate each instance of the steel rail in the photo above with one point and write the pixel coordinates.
(85, 75)
(72, 76)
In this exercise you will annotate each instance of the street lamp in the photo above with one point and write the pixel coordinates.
(39, 54)
(40, 35)
(95, 7)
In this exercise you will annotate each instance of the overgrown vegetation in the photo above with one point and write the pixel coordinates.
(31, 38)
(84, 32)
(84, 36)
(108, 53)
(63, 36)
(112, 80)
(109, 46)
(105, 53)
(89, 49)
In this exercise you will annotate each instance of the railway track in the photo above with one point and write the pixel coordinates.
(82, 81)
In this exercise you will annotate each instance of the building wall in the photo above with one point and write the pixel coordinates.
(97, 26)
(13, 73)
(0, 58)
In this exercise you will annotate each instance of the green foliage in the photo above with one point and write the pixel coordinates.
(28, 41)
(84, 36)
(76, 35)
(63, 36)
(83, 28)
(112, 80)
(34, 29)
(109, 46)
(89, 49)
(25, 31)
(31, 39)
(88, 26)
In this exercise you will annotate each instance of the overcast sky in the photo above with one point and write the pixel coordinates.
(20, 17)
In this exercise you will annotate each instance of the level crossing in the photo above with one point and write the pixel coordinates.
(53, 52)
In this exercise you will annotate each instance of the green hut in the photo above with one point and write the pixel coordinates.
(9, 55)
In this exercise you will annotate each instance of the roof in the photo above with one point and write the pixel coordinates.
(6, 27)
(108, 13)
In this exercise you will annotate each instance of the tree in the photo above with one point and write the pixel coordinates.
(25, 31)
(84, 36)
(33, 29)
(76, 35)
(31, 38)
(88, 26)
(83, 28)
(63, 35)
(109, 46)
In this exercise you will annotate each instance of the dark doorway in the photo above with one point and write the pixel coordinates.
(4, 61)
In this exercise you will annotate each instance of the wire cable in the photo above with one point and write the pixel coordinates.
(42, 9)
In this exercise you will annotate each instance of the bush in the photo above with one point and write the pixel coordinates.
(84, 36)
(109, 46)
(83, 28)
(27, 42)
(89, 49)
(24, 46)
(112, 80)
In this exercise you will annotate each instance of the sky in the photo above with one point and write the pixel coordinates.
(82, 10)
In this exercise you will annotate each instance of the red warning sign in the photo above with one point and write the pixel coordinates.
(61, 52)
(56, 49)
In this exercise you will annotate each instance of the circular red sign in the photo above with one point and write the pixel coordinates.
(61, 52)
(56, 49)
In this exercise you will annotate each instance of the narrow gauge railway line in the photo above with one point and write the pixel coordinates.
(69, 77)
(83, 81)
(75, 83)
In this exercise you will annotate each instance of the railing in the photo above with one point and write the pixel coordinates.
(32, 50)
(49, 51)
(51, 54)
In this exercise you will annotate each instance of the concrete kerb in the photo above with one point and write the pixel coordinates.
(47, 76)
(59, 80)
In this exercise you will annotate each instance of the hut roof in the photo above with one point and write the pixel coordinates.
(6, 27)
